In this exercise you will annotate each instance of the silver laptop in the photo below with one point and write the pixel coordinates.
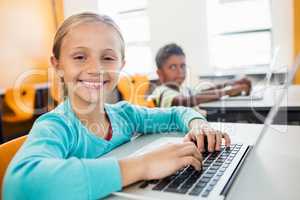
(257, 93)
(219, 168)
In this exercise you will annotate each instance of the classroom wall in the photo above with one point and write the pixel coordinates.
(283, 35)
(75, 6)
(27, 29)
(184, 22)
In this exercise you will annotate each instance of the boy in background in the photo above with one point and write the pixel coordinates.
(171, 69)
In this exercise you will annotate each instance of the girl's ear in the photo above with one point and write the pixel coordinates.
(55, 64)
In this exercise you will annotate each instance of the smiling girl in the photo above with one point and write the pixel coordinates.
(61, 158)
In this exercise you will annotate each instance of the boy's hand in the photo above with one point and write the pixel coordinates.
(242, 81)
(237, 89)
(200, 132)
(238, 86)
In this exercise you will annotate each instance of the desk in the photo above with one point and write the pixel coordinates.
(275, 175)
(255, 111)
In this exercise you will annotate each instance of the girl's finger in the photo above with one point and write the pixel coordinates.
(189, 160)
(218, 141)
(189, 137)
(200, 142)
(211, 140)
(190, 150)
(227, 139)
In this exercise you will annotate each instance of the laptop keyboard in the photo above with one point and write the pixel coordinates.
(195, 183)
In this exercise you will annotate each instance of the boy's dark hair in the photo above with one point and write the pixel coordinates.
(165, 52)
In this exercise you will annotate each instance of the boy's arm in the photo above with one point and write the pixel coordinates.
(43, 169)
(194, 100)
(229, 83)
(207, 96)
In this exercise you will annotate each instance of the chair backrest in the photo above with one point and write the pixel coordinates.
(21, 102)
(7, 152)
(134, 89)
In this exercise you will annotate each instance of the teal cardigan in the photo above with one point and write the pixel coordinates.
(61, 158)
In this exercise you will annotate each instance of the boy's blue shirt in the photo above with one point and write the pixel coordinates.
(61, 158)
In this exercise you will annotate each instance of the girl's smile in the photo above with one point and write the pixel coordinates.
(91, 84)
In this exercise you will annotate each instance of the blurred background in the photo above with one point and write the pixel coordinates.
(222, 39)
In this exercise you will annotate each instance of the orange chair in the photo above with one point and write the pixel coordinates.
(7, 152)
(134, 90)
(21, 102)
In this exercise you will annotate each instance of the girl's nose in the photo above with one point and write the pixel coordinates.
(94, 67)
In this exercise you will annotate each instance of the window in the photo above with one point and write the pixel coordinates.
(240, 33)
(131, 16)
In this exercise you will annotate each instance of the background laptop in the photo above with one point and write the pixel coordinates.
(257, 92)
(220, 168)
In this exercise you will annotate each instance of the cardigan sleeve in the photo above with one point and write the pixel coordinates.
(43, 168)
(158, 120)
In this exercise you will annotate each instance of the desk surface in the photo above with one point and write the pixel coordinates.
(292, 100)
(273, 175)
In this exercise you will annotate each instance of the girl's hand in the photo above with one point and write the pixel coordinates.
(170, 158)
(160, 163)
(201, 133)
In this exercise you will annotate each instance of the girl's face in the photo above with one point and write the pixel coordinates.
(90, 61)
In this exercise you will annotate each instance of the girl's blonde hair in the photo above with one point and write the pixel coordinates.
(83, 18)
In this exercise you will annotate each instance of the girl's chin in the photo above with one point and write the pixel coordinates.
(91, 97)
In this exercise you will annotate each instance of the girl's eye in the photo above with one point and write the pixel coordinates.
(79, 57)
(108, 58)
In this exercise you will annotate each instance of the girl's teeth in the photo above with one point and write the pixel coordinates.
(92, 84)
